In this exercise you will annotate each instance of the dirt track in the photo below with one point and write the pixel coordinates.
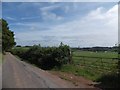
(0, 76)
(18, 74)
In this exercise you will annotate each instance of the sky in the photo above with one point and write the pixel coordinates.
(83, 24)
(0, 10)
(60, 0)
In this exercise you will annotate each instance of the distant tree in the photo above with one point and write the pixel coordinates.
(7, 37)
(27, 46)
(18, 46)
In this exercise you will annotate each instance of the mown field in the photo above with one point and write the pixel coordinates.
(92, 65)
(100, 54)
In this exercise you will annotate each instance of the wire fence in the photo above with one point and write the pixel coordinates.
(97, 64)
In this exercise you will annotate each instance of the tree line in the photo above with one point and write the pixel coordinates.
(8, 40)
(94, 49)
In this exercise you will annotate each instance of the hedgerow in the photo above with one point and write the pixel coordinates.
(45, 57)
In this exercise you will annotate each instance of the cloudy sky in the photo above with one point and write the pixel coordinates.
(75, 23)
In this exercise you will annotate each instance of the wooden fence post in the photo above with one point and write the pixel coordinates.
(102, 65)
(84, 61)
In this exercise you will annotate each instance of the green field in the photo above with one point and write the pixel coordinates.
(21, 48)
(92, 65)
(79, 53)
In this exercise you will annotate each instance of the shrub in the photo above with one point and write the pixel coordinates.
(45, 57)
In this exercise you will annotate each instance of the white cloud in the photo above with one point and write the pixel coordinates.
(96, 21)
(98, 28)
(66, 9)
(27, 18)
(47, 13)
(10, 18)
(51, 16)
(49, 8)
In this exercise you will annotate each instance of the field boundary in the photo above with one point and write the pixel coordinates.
(94, 57)
(102, 64)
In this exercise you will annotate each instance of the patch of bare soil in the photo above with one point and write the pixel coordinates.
(76, 80)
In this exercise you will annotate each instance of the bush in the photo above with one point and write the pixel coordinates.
(45, 57)
(111, 80)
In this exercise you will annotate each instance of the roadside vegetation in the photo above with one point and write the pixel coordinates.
(45, 57)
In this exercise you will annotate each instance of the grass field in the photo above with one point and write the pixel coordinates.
(92, 65)
(21, 48)
(78, 53)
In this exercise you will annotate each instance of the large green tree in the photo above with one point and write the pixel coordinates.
(0, 35)
(8, 40)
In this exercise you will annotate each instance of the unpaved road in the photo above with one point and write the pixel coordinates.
(0, 76)
(18, 74)
(0, 71)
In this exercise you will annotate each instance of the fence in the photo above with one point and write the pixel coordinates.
(97, 64)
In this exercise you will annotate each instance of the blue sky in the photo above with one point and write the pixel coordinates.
(48, 23)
